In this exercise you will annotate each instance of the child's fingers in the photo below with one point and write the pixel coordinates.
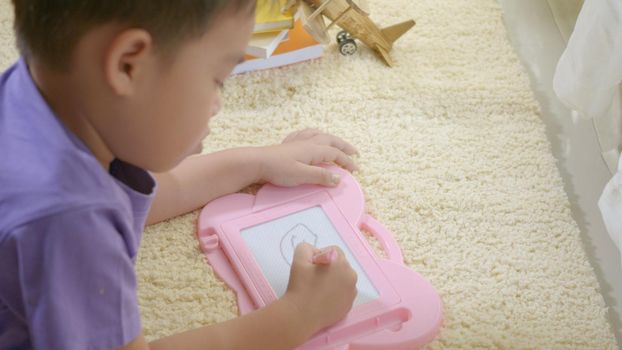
(316, 175)
(305, 251)
(330, 154)
(325, 256)
(322, 138)
(337, 142)
(309, 133)
(301, 135)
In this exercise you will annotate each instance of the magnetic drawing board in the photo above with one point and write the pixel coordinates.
(249, 241)
(273, 243)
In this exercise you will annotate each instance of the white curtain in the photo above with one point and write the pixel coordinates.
(587, 79)
(590, 69)
(610, 205)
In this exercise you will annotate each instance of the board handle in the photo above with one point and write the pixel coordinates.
(388, 243)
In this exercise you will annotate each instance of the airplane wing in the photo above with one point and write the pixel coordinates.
(363, 5)
(385, 55)
(314, 26)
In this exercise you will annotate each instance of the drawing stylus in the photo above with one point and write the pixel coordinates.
(325, 257)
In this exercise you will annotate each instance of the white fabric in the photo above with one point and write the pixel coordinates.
(587, 79)
(589, 72)
(590, 69)
(610, 205)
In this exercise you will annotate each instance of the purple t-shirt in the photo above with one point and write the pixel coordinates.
(69, 231)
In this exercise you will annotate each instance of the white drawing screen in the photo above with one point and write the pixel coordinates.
(273, 242)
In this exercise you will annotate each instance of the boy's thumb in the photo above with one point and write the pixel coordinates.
(304, 251)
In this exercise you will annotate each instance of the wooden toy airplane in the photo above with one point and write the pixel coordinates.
(355, 22)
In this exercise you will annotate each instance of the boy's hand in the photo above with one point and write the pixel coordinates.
(322, 294)
(294, 162)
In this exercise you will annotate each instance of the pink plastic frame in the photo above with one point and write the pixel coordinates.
(408, 312)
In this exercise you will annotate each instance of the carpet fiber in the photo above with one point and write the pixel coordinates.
(454, 160)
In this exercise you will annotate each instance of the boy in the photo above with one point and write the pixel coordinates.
(106, 91)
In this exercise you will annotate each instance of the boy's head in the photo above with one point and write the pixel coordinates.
(135, 79)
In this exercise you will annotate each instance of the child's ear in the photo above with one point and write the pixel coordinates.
(126, 58)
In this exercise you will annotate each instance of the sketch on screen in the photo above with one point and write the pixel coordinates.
(294, 236)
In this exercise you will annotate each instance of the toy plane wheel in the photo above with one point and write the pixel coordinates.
(347, 47)
(342, 35)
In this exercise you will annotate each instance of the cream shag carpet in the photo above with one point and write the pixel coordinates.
(454, 160)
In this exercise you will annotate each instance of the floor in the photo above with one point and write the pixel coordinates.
(538, 30)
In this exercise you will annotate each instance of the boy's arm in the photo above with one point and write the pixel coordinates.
(318, 295)
(200, 179)
(277, 326)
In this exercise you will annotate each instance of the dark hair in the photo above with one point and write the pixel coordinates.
(48, 30)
